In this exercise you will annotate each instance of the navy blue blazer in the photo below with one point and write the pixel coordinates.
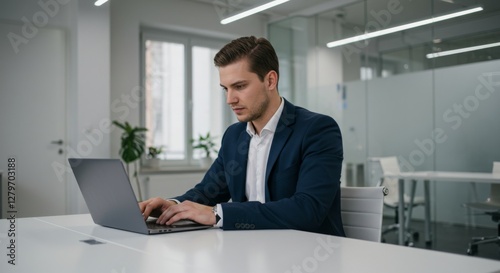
(302, 187)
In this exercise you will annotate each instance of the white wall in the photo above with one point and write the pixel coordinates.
(89, 105)
(171, 185)
(88, 78)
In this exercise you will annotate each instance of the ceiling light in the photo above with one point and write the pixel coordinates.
(252, 11)
(460, 50)
(100, 2)
(370, 35)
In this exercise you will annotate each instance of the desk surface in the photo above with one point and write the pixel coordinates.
(448, 176)
(54, 244)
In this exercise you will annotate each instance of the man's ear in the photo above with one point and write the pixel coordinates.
(271, 79)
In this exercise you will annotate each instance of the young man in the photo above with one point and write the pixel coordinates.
(280, 165)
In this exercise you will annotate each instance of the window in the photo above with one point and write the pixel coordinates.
(182, 97)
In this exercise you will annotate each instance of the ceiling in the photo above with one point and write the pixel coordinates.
(357, 14)
(331, 8)
(354, 16)
(291, 8)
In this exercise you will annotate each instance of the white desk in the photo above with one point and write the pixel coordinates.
(433, 176)
(54, 244)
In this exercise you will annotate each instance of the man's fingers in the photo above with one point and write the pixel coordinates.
(187, 210)
(148, 206)
(177, 217)
(174, 213)
(147, 211)
(168, 213)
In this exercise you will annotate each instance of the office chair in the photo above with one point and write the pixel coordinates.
(490, 207)
(391, 165)
(362, 210)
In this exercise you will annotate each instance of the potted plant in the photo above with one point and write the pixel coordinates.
(207, 144)
(132, 148)
(152, 157)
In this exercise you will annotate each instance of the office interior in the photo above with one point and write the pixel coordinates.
(387, 96)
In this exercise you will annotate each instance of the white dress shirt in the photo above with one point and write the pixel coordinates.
(258, 153)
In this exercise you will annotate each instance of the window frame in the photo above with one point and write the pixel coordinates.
(189, 41)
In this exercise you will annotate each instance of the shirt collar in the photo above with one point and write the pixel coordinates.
(271, 124)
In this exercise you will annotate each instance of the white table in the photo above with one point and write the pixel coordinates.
(54, 244)
(427, 176)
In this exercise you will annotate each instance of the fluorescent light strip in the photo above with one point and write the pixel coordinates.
(100, 2)
(460, 50)
(402, 27)
(252, 11)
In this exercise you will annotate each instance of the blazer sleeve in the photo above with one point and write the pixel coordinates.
(212, 189)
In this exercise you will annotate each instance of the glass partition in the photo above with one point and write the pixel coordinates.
(428, 95)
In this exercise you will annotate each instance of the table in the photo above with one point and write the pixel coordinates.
(427, 176)
(57, 244)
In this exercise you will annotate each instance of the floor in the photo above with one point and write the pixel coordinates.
(451, 238)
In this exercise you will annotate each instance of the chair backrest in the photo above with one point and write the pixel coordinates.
(390, 165)
(495, 188)
(362, 212)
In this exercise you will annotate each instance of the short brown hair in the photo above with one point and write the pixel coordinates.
(260, 54)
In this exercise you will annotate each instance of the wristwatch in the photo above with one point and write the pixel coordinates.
(217, 217)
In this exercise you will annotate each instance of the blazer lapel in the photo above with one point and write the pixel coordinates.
(281, 135)
(241, 158)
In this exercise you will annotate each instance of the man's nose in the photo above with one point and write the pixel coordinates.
(231, 97)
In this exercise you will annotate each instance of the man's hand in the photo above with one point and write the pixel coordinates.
(187, 210)
(155, 206)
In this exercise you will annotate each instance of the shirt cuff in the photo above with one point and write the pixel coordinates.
(219, 212)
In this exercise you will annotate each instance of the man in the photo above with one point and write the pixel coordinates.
(280, 165)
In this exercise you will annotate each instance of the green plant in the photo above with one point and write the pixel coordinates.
(153, 152)
(205, 143)
(132, 142)
(132, 147)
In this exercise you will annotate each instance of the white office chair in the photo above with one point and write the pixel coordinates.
(391, 165)
(362, 211)
(490, 207)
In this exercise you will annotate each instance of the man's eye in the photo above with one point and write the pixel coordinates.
(239, 86)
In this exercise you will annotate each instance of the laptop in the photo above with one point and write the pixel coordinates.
(111, 201)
